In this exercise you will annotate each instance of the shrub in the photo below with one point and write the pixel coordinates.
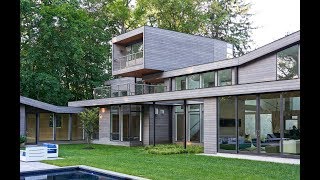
(166, 149)
(23, 139)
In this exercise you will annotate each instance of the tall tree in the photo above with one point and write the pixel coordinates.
(62, 42)
(227, 20)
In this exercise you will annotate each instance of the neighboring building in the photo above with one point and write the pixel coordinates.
(191, 90)
(42, 122)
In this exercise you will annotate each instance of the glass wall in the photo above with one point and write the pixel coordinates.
(247, 137)
(77, 130)
(287, 63)
(194, 81)
(227, 126)
(62, 126)
(179, 113)
(46, 126)
(126, 121)
(260, 132)
(270, 123)
(291, 122)
(125, 109)
(194, 122)
(115, 123)
(31, 128)
(224, 77)
(180, 83)
(208, 80)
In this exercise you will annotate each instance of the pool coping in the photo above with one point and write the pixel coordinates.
(89, 168)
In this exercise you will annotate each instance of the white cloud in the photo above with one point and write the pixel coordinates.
(275, 19)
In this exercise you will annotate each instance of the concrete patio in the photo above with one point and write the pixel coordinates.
(257, 158)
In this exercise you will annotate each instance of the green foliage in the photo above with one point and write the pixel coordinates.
(64, 42)
(23, 139)
(89, 119)
(227, 20)
(166, 149)
(135, 161)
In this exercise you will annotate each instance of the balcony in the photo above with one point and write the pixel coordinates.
(127, 90)
(128, 61)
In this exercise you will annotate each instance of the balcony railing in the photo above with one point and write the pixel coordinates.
(128, 61)
(127, 90)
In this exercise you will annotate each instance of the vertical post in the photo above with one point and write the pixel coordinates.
(236, 123)
(281, 123)
(185, 123)
(258, 123)
(37, 127)
(154, 124)
(70, 127)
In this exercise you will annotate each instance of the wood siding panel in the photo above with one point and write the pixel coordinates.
(162, 125)
(167, 50)
(251, 56)
(104, 123)
(22, 119)
(262, 87)
(210, 126)
(260, 70)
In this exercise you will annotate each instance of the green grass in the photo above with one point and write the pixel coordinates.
(137, 161)
(166, 149)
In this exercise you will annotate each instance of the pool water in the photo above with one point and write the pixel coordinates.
(74, 173)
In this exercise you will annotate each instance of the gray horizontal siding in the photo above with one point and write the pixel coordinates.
(263, 69)
(273, 86)
(166, 50)
(210, 126)
(251, 56)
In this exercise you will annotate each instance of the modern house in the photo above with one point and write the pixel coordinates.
(173, 87)
(43, 122)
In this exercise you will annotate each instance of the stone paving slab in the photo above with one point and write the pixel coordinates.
(32, 166)
(256, 158)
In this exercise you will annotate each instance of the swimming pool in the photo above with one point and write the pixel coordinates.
(74, 173)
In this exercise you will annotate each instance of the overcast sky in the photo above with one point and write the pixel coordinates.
(275, 18)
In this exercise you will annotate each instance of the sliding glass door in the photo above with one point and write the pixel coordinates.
(267, 123)
(247, 124)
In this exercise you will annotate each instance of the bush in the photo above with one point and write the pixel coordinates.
(166, 149)
(23, 139)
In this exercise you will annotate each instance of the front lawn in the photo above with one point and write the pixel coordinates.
(136, 161)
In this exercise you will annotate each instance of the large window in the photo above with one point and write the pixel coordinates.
(134, 51)
(261, 127)
(194, 81)
(31, 128)
(180, 83)
(270, 123)
(115, 123)
(126, 123)
(208, 80)
(224, 77)
(291, 122)
(194, 123)
(287, 63)
(247, 137)
(179, 113)
(227, 125)
(62, 126)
